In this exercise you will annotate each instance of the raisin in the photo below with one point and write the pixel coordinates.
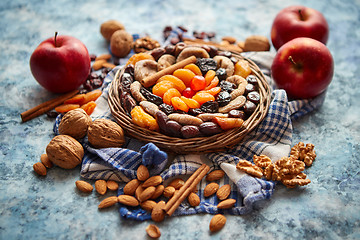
(213, 51)
(206, 64)
(223, 98)
(221, 74)
(151, 97)
(227, 86)
(210, 107)
(254, 97)
(195, 111)
(167, 109)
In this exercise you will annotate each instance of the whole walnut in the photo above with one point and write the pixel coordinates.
(75, 123)
(109, 27)
(104, 133)
(121, 43)
(65, 151)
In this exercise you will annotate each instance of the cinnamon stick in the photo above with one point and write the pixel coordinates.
(151, 80)
(46, 106)
(186, 189)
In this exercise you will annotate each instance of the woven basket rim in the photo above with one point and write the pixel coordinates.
(215, 143)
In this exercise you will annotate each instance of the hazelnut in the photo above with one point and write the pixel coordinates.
(75, 123)
(65, 151)
(104, 133)
(109, 27)
(121, 43)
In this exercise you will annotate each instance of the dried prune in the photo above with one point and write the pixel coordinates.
(206, 64)
(209, 128)
(128, 102)
(210, 107)
(249, 88)
(223, 98)
(252, 79)
(227, 86)
(166, 108)
(190, 131)
(254, 97)
(195, 111)
(157, 53)
(221, 74)
(151, 97)
(213, 51)
(235, 113)
(162, 119)
(173, 128)
(249, 107)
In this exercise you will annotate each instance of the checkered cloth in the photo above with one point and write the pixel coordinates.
(272, 137)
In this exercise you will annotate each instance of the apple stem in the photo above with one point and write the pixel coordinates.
(297, 66)
(301, 16)
(56, 33)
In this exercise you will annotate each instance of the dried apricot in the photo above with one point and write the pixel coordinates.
(213, 91)
(213, 83)
(89, 107)
(77, 99)
(91, 96)
(179, 104)
(190, 102)
(203, 97)
(66, 107)
(138, 57)
(195, 69)
(186, 75)
(179, 84)
(169, 94)
(242, 68)
(143, 119)
(160, 88)
(228, 123)
(209, 76)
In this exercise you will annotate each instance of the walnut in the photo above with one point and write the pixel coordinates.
(104, 133)
(109, 27)
(145, 44)
(249, 168)
(75, 123)
(65, 151)
(262, 161)
(304, 153)
(121, 43)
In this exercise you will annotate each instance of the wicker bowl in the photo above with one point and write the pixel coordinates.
(215, 143)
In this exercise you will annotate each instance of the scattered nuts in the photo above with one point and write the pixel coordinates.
(100, 186)
(147, 193)
(108, 202)
(215, 175)
(142, 173)
(45, 160)
(262, 161)
(177, 183)
(98, 64)
(159, 190)
(130, 187)
(158, 214)
(112, 185)
(145, 44)
(104, 133)
(109, 27)
(39, 168)
(217, 223)
(169, 191)
(153, 231)
(249, 168)
(65, 151)
(210, 189)
(148, 205)
(225, 204)
(229, 39)
(106, 56)
(121, 43)
(223, 192)
(84, 186)
(193, 199)
(75, 123)
(128, 200)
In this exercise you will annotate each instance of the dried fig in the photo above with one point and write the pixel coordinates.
(192, 51)
(75, 123)
(104, 133)
(144, 68)
(226, 63)
(165, 61)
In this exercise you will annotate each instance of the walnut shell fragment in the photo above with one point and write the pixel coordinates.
(75, 123)
(65, 151)
(104, 133)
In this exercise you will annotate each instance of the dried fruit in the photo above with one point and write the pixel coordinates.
(104, 133)
(66, 107)
(217, 223)
(186, 75)
(210, 189)
(39, 168)
(153, 231)
(138, 57)
(128, 200)
(89, 107)
(228, 123)
(142, 173)
(143, 119)
(223, 192)
(108, 202)
(75, 123)
(130, 187)
(84, 186)
(242, 68)
(100, 186)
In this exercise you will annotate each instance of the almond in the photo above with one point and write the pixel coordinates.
(97, 65)
(138, 191)
(148, 205)
(142, 173)
(100, 186)
(153, 231)
(40, 168)
(177, 183)
(112, 185)
(193, 199)
(108, 202)
(228, 203)
(229, 39)
(84, 186)
(130, 187)
(217, 223)
(45, 160)
(215, 175)
(105, 56)
(158, 213)
(152, 181)
(128, 200)
(223, 192)
(256, 43)
(169, 191)
(147, 193)
(158, 191)
(210, 189)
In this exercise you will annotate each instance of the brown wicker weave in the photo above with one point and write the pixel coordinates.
(215, 143)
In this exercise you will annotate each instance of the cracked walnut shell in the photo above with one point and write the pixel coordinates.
(104, 133)
(75, 123)
(65, 151)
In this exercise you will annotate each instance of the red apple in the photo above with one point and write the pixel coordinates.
(303, 67)
(60, 64)
(298, 21)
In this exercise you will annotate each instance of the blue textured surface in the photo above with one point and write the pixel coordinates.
(35, 207)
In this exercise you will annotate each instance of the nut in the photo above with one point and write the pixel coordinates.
(108, 202)
(109, 27)
(215, 175)
(304, 153)
(256, 43)
(147, 193)
(225, 204)
(210, 189)
(223, 192)
(148, 205)
(249, 168)
(142, 173)
(138, 191)
(40, 168)
(158, 213)
(217, 223)
(169, 191)
(144, 68)
(84, 186)
(121, 43)
(229, 39)
(128, 200)
(262, 161)
(45, 160)
(177, 183)
(98, 64)
(158, 191)
(153, 231)
(104, 133)
(152, 181)
(130, 187)
(100, 186)
(75, 123)
(193, 199)
(112, 185)
(65, 151)
(145, 44)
